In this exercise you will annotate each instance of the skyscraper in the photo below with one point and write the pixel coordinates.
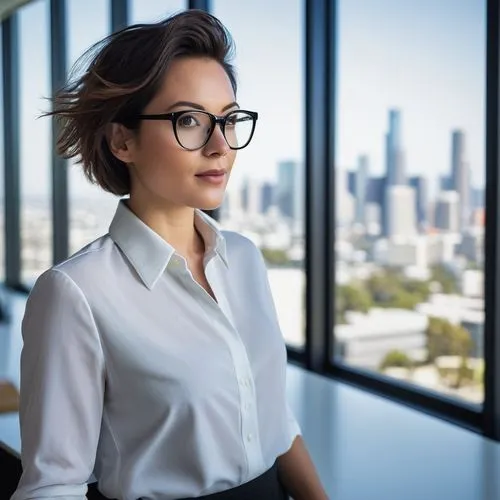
(396, 174)
(460, 178)
(290, 192)
(447, 211)
(477, 197)
(401, 215)
(445, 183)
(419, 184)
(351, 182)
(395, 168)
(375, 190)
(267, 196)
(375, 194)
(244, 194)
(361, 186)
(344, 199)
(250, 196)
(285, 187)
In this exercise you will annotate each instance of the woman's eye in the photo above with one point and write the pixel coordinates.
(187, 121)
(231, 121)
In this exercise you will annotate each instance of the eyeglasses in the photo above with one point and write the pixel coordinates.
(193, 129)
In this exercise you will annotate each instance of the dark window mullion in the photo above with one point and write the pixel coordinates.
(119, 14)
(60, 217)
(330, 177)
(492, 232)
(12, 187)
(199, 4)
(317, 156)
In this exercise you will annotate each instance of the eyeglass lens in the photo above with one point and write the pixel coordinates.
(193, 129)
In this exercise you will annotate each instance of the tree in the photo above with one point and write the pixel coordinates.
(393, 289)
(447, 339)
(445, 277)
(404, 300)
(351, 298)
(383, 287)
(396, 358)
(275, 257)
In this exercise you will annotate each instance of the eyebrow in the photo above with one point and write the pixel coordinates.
(200, 107)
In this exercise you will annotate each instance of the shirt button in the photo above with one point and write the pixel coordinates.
(249, 437)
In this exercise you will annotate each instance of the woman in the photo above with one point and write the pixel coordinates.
(153, 357)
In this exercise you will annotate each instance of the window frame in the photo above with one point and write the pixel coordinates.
(321, 36)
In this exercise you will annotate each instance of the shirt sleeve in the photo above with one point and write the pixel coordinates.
(293, 426)
(61, 394)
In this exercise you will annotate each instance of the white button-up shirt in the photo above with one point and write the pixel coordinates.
(130, 371)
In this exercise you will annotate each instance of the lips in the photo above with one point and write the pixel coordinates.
(211, 173)
(215, 177)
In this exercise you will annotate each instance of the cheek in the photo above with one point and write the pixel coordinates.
(158, 139)
(231, 157)
(159, 153)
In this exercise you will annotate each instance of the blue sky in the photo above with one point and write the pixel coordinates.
(424, 57)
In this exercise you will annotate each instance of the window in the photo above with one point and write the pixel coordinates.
(150, 11)
(91, 208)
(35, 141)
(2, 215)
(410, 175)
(265, 198)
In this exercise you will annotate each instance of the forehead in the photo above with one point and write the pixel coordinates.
(200, 80)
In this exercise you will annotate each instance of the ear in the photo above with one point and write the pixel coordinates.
(120, 142)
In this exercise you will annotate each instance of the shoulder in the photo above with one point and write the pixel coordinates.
(244, 257)
(86, 265)
(88, 261)
(238, 245)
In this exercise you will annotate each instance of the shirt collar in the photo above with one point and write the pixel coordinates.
(148, 252)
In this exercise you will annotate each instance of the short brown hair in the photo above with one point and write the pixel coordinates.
(125, 72)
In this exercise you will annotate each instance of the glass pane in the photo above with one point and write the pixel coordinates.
(91, 208)
(150, 11)
(265, 198)
(35, 140)
(2, 217)
(410, 198)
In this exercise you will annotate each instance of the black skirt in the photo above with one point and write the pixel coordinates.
(267, 486)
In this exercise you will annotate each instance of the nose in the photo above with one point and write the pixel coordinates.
(217, 144)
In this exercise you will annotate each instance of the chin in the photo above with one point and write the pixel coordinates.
(209, 204)
(213, 206)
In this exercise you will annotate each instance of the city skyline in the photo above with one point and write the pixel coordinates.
(392, 190)
(370, 81)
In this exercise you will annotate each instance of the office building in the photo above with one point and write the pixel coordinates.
(419, 184)
(447, 217)
(401, 213)
(460, 176)
(395, 161)
(361, 190)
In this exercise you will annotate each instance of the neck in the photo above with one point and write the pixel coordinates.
(174, 224)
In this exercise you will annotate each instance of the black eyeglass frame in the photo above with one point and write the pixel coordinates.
(221, 120)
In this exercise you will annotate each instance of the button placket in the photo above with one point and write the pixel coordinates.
(244, 378)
